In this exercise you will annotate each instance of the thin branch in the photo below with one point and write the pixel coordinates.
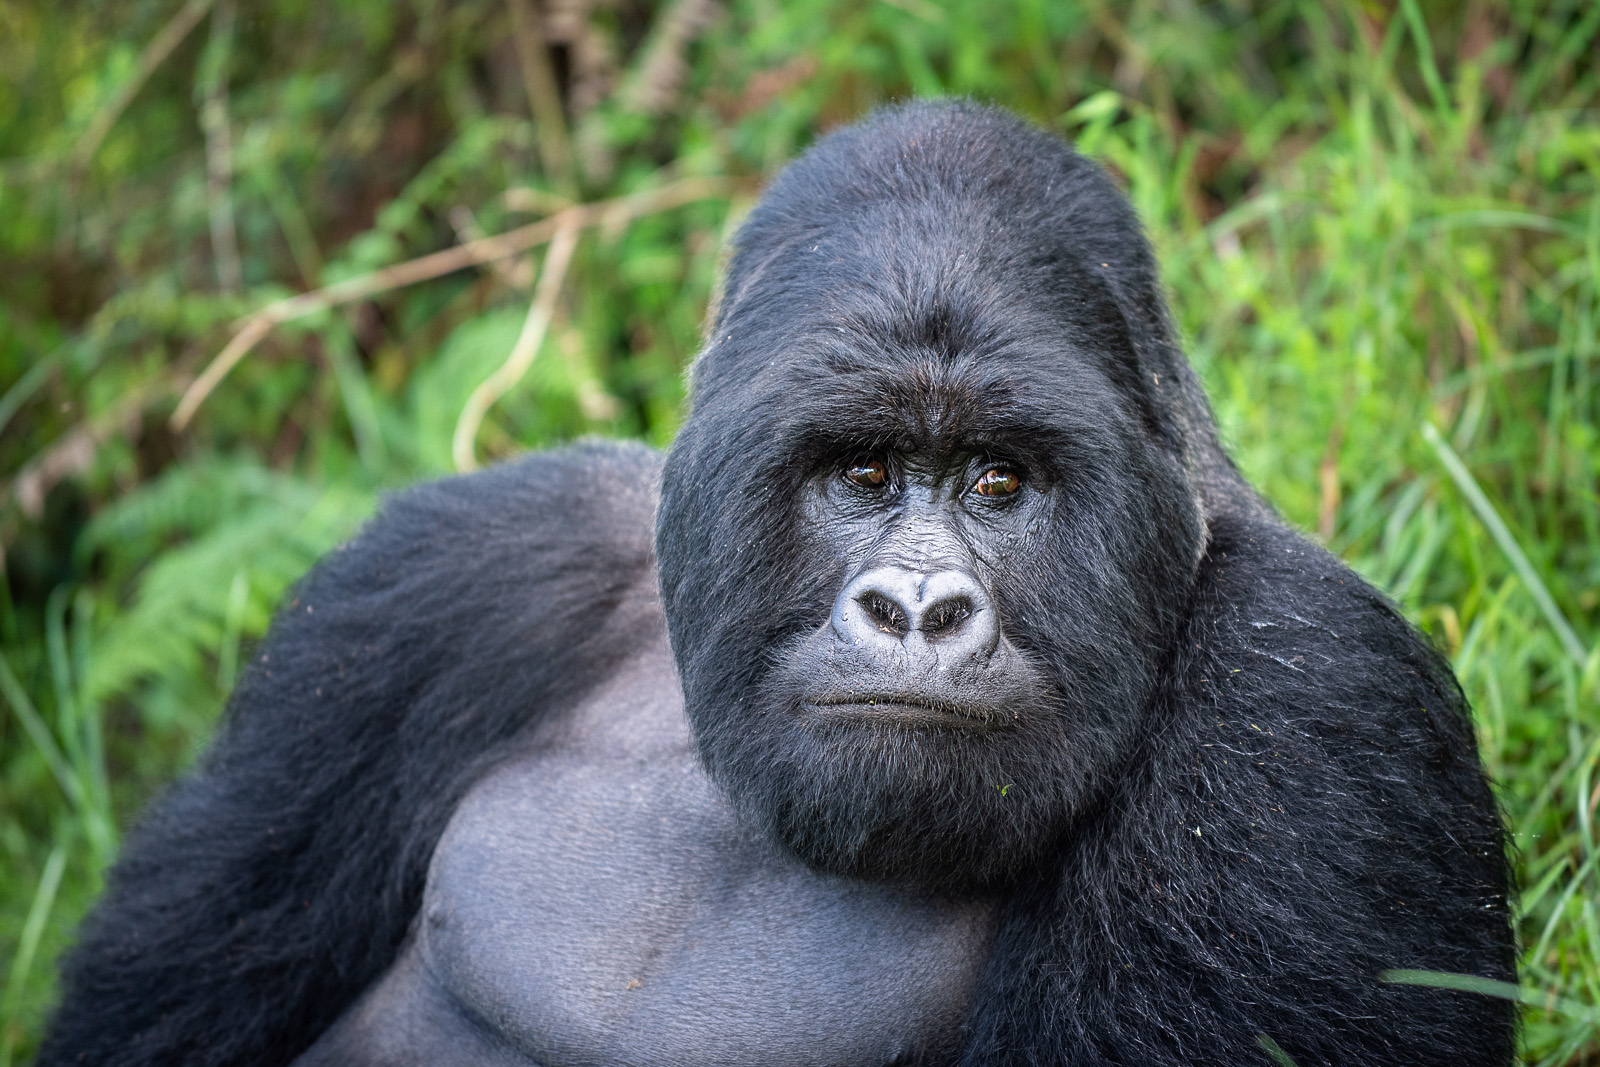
(534, 201)
(254, 330)
(516, 276)
(544, 96)
(155, 53)
(74, 451)
(475, 253)
(492, 388)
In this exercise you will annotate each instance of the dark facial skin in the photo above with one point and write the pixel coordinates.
(987, 311)
(915, 638)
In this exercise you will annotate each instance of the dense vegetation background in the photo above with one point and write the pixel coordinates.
(1379, 221)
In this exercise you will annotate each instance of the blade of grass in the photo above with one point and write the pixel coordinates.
(1578, 878)
(232, 630)
(26, 386)
(1489, 987)
(78, 725)
(1272, 1048)
(67, 728)
(339, 346)
(1430, 69)
(94, 755)
(1508, 543)
(39, 733)
(27, 946)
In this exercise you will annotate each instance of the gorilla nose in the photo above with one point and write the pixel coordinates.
(947, 610)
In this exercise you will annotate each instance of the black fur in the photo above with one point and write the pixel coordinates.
(1240, 785)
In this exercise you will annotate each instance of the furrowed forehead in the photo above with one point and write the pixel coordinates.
(938, 319)
(947, 354)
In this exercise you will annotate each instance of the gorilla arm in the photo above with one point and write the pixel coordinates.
(1305, 813)
(264, 892)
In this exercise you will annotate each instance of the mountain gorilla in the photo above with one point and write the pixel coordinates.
(966, 706)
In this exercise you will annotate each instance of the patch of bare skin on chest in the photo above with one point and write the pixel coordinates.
(595, 901)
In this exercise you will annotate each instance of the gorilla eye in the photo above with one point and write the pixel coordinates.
(998, 481)
(867, 473)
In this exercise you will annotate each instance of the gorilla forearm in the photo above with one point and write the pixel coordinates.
(271, 886)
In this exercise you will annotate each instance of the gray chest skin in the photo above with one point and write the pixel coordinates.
(594, 901)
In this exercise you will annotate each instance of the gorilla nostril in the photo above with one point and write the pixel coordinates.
(885, 614)
(946, 617)
(942, 611)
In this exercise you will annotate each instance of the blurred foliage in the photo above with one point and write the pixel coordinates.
(1375, 217)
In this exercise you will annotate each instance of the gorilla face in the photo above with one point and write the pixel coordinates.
(922, 542)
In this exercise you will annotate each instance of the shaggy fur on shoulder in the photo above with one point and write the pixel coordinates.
(267, 889)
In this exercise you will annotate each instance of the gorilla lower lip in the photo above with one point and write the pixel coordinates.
(902, 710)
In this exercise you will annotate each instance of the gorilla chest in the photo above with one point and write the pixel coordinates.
(598, 903)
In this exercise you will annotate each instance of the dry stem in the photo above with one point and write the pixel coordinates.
(257, 325)
(213, 90)
(492, 388)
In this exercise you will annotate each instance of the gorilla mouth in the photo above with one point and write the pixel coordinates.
(905, 709)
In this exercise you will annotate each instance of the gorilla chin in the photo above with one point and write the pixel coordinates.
(908, 798)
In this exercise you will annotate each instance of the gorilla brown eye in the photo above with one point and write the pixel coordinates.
(998, 481)
(868, 474)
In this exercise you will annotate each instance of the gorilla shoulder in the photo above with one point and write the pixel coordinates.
(401, 668)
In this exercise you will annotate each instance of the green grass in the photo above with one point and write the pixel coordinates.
(1380, 226)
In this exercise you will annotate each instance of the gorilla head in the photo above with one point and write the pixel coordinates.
(929, 530)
